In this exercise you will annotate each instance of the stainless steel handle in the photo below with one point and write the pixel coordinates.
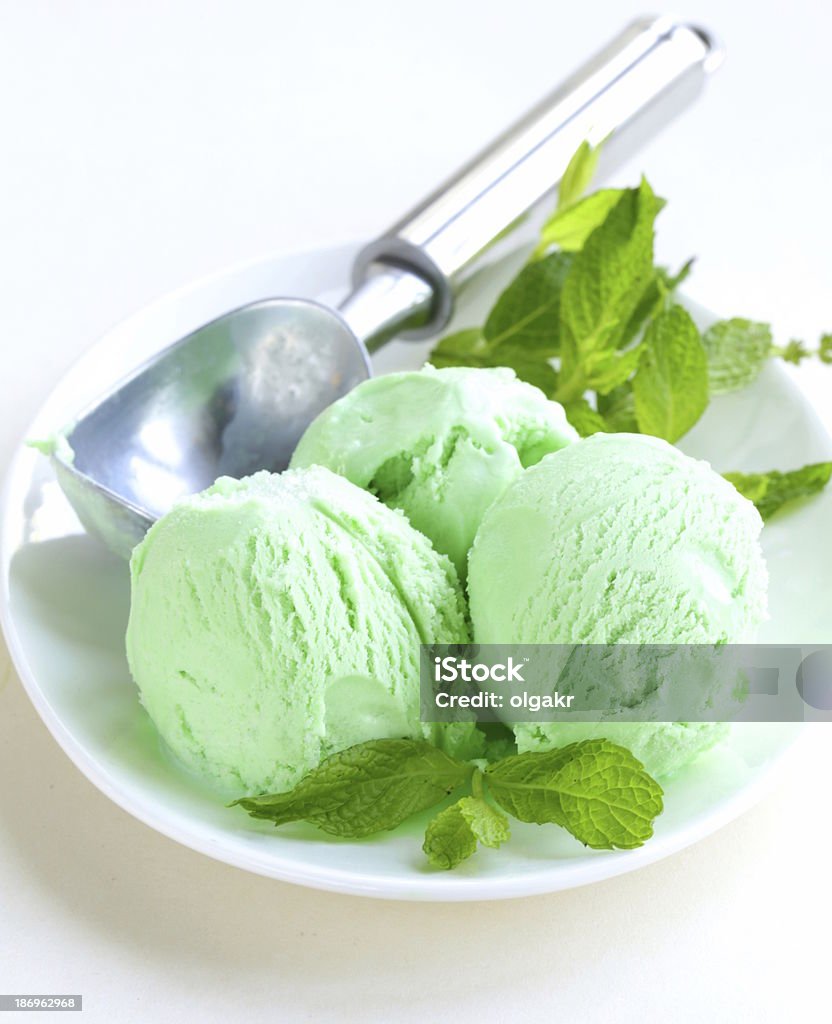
(442, 236)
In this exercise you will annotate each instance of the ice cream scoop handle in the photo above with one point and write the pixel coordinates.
(445, 233)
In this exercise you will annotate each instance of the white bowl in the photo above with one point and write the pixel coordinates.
(64, 604)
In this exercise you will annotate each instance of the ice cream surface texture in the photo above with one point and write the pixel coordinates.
(619, 538)
(440, 445)
(277, 619)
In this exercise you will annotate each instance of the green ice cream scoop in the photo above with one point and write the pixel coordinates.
(440, 445)
(619, 538)
(277, 619)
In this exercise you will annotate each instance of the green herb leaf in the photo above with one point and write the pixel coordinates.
(736, 351)
(570, 232)
(794, 352)
(652, 302)
(527, 313)
(488, 824)
(569, 227)
(771, 491)
(619, 410)
(449, 839)
(578, 174)
(605, 371)
(533, 371)
(469, 348)
(595, 789)
(522, 329)
(371, 787)
(452, 835)
(584, 418)
(606, 283)
(670, 388)
(463, 348)
(656, 297)
(670, 282)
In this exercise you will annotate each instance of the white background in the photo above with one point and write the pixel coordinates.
(148, 143)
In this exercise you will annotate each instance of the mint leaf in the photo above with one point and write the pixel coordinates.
(652, 302)
(459, 349)
(488, 824)
(449, 839)
(469, 348)
(584, 418)
(670, 282)
(606, 371)
(578, 174)
(533, 371)
(527, 313)
(563, 230)
(771, 491)
(794, 352)
(521, 331)
(568, 228)
(595, 789)
(371, 787)
(736, 350)
(453, 834)
(619, 410)
(656, 297)
(670, 388)
(606, 283)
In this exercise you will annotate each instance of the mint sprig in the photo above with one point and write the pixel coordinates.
(452, 836)
(657, 296)
(578, 174)
(527, 314)
(585, 305)
(602, 291)
(449, 838)
(796, 351)
(771, 491)
(575, 218)
(670, 388)
(523, 329)
(470, 348)
(586, 321)
(586, 420)
(368, 788)
(568, 228)
(595, 789)
(737, 350)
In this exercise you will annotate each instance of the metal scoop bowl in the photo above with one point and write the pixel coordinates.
(231, 398)
(234, 396)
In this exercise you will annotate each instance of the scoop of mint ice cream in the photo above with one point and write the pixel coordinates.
(277, 619)
(619, 538)
(440, 445)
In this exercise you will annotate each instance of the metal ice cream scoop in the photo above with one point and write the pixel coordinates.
(235, 396)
